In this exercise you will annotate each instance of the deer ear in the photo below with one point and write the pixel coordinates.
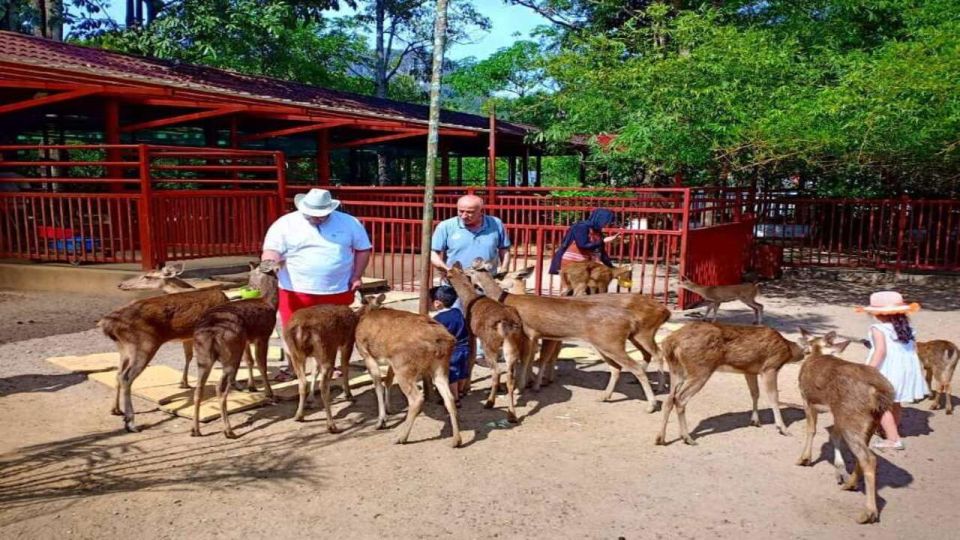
(839, 346)
(830, 337)
(524, 273)
(500, 275)
(478, 264)
(380, 299)
(253, 265)
(458, 266)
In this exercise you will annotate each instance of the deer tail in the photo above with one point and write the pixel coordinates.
(882, 399)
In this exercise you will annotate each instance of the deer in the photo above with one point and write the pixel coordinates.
(589, 277)
(319, 332)
(223, 334)
(649, 313)
(413, 346)
(142, 326)
(939, 358)
(604, 326)
(715, 295)
(857, 395)
(697, 350)
(499, 328)
(168, 280)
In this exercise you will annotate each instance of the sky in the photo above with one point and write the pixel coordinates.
(506, 20)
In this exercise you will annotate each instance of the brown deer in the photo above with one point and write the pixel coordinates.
(168, 280)
(415, 347)
(697, 350)
(857, 395)
(223, 333)
(605, 327)
(141, 327)
(649, 313)
(498, 327)
(715, 295)
(939, 358)
(589, 277)
(319, 332)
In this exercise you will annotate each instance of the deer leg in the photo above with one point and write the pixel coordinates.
(867, 463)
(248, 357)
(325, 365)
(811, 417)
(716, 310)
(223, 393)
(772, 395)
(345, 353)
(690, 389)
(442, 382)
(187, 357)
(127, 352)
(528, 359)
(668, 408)
(511, 352)
(138, 362)
(945, 391)
(204, 366)
(298, 362)
(492, 351)
(374, 370)
(262, 346)
(414, 403)
(840, 466)
(754, 397)
(612, 381)
(549, 351)
(311, 398)
(621, 358)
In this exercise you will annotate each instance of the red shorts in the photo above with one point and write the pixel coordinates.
(291, 301)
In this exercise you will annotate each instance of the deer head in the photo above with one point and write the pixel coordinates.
(829, 343)
(263, 277)
(166, 278)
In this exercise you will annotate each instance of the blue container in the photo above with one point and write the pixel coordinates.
(74, 245)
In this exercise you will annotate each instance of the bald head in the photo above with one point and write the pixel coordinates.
(470, 210)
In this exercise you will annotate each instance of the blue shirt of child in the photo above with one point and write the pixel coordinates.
(453, 320)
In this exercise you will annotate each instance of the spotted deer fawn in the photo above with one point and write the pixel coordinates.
(319, 332)
(715, 295)
(223, 334)
(939, 358)
(857, 395)
(414, 347)
(697, 350)
(498, 327)
(589, 277)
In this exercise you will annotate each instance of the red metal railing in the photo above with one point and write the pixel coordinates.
(899, 234)
(135, 203)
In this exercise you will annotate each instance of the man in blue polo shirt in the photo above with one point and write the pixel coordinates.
(470, 235)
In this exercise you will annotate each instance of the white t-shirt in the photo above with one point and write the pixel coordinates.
(317, 259)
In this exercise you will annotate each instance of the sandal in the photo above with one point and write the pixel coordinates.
(284, 375)
(884, 444)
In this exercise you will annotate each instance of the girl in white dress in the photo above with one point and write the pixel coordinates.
(893, 351)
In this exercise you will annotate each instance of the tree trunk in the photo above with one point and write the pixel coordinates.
(439, 34)
(380, 81)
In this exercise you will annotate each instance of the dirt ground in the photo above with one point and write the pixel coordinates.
(574, 467)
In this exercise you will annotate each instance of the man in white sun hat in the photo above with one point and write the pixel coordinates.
(322, 253)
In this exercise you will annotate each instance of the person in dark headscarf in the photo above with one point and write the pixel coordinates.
(584, 241)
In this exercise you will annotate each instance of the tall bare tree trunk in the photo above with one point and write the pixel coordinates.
(380, 81)
(433, 135)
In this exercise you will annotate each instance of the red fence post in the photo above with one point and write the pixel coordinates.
(901, 229)
(148, 251)
(684, 232)
(281, 163)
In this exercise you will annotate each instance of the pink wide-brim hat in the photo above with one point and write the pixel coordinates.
(888, 303)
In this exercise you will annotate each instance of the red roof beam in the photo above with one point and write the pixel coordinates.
(181, 119)
(382, 138)
(47, 100)
(293, 130)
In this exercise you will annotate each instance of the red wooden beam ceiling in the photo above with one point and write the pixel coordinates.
(383, 138)
(181, 119)
(46, 100)
(292, 130)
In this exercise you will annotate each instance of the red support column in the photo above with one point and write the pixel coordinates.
(323, 157)
(281, 163)
(492, 159)
(148, 251)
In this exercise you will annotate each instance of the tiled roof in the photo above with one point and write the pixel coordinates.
(43, 53)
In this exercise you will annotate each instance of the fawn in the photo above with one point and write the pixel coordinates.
(414, 346)
(857, 395)
(499, 328)
(717, 294)
(223, 335)
(939, 358)
(319, 332)
(697, 350)
(589, 277)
